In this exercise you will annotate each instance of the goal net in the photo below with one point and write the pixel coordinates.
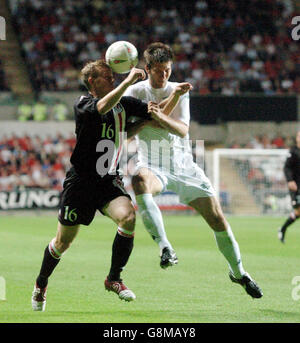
(251, 181)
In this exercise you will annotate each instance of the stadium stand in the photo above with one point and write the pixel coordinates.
(33, 162)
(265, 180)
(263, 176)
(13, 66)
(227, 47)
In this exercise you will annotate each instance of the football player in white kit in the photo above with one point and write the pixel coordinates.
(165, 162)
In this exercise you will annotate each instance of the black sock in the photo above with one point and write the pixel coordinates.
(121, 250)
(48, 265)
(291, 219)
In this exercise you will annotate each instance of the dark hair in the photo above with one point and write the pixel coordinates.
(92, 69)
(158, 53)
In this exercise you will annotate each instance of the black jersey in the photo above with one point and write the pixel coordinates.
(292, 166)
(102, 135)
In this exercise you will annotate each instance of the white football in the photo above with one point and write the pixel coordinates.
(121, 56)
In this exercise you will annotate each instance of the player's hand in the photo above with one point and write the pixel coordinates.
(154, 110)
(182, 88)
(292, 186)
(136, 74)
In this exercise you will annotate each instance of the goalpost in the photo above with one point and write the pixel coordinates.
(251, 181)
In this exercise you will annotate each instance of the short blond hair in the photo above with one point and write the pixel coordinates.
(92, 69)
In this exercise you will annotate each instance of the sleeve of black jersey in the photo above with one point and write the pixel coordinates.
(289, 166)
(135, 107)
(86, 107)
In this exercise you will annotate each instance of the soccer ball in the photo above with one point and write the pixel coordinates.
(121, 56)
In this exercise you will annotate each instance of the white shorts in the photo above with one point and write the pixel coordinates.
(190, 184)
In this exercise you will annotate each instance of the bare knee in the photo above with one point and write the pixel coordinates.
(127, 220)
(64, 237)
(62, 244)
(146, 182)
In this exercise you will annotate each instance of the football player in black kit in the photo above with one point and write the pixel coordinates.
(292, 174)
(93, 182)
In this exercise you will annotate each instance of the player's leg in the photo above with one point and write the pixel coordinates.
(52, 255)
(292, 217)
(76, 207)
(146, 184)
(122, 212)
(54, 250)
(289, 221)
(210, 209)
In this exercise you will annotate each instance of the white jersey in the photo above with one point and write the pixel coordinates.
(157, 147)
(168, 156)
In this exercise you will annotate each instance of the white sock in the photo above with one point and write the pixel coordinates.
(53, 251)
(152, 219)
(231, 251)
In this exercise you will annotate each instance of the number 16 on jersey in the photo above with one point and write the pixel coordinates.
(107, 132)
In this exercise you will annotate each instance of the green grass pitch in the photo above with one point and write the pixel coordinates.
(197, 290)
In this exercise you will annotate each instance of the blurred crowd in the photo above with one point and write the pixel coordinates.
(265, 142)
(32, 162)
(226, 46)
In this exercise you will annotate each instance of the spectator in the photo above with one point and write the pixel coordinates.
(278, 142)
(266, 143)
(24, 111)
(39, 111)
(60, 111)
(256, 142)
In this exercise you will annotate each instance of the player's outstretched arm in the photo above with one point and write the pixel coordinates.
(112, 98)
(167, 106)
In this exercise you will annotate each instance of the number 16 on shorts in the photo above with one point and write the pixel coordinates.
(70, 214)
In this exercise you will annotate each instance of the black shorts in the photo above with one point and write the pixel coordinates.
(83, 195)
(295, 196)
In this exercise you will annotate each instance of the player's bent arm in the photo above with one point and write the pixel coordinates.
(167, 106)
(110, 100)
(175, 126)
